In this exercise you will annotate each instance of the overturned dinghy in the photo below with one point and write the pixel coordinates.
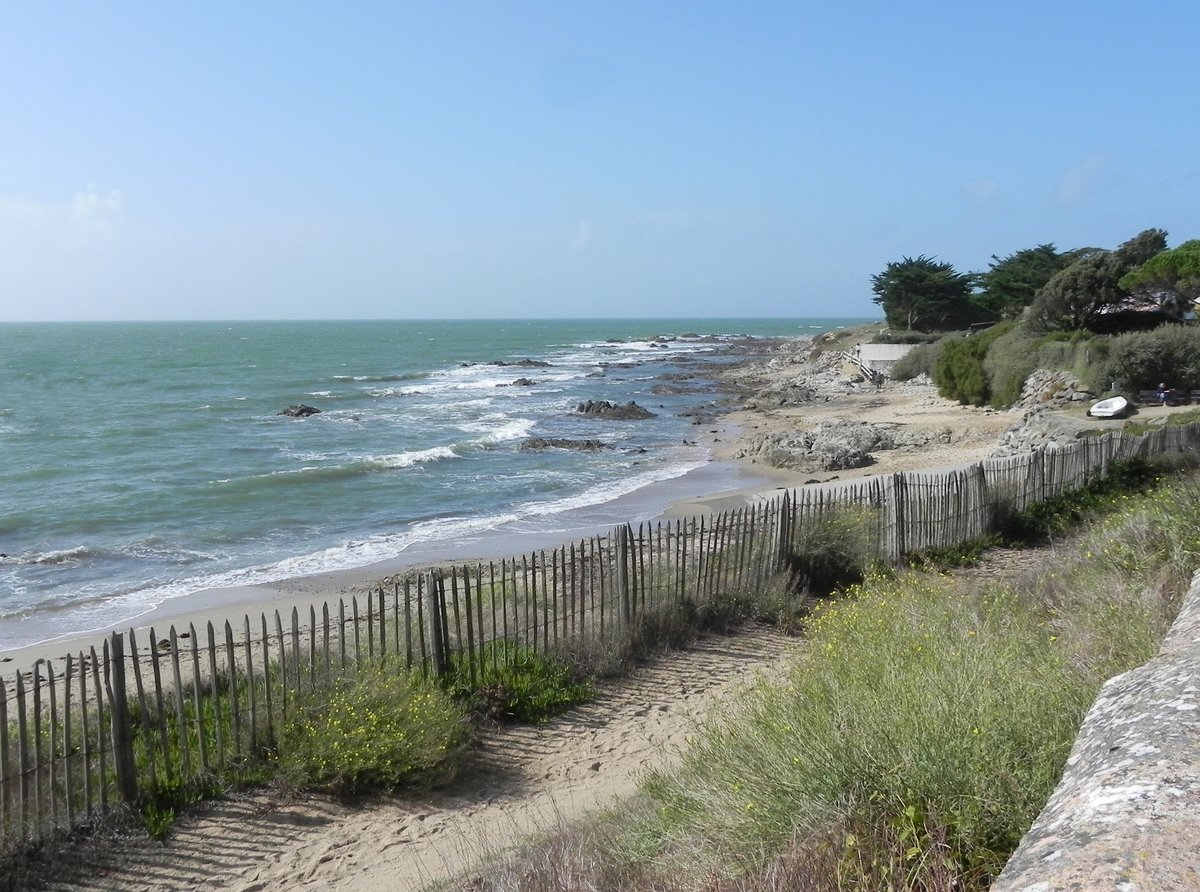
(1113, 407)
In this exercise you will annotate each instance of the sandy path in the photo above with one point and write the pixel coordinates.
(522, 780)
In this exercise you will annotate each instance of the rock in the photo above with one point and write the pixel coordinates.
(524, 363)
(629, 411)
(1050, 389)
(534, 443)
(832, 446)
(299, 411)
(524, 382)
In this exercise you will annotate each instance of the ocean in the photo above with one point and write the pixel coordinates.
(146, 462)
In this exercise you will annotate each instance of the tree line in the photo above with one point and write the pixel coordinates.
(1139, 284)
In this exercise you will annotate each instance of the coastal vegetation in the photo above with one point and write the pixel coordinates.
(922, 726)
(1111, 317)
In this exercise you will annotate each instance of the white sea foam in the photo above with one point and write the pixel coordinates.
(499, 428)
(56, 556)
(408, 459)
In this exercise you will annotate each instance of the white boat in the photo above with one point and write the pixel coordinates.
(1113, 407)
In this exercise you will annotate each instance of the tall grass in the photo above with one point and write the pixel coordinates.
(918, 734)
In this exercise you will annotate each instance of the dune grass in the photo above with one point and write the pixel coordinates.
(918, 733)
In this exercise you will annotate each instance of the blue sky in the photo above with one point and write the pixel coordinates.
(539, 159)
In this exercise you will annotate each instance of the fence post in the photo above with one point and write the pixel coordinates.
(122, 738)
(621, 536)
(437, 622)
(784, 531)
(899, 515)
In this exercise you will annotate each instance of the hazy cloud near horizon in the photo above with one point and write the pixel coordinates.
(188, 162)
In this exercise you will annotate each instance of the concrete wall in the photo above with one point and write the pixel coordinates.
(883, 353)
(1126, 815)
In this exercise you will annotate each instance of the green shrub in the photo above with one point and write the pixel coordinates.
(1009, 361)
(514, 682)
(959, 372)
(375, 729)
(920, 360)
(1140, 360)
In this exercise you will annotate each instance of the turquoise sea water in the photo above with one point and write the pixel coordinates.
(141, 462)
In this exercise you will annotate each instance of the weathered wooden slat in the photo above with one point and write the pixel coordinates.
(160, 717)
(492, 598)
(599, 563)
(88, 788)
(408, 639)
(235, 717)
(122, 737)
(396, 618)
(251, 684)
(148, 744)
(325, 659)
(38, 795)
(69, 791)
(23, 760)
(101, 733)
(354, 619)
(370, 624)
(268, 699)
(197, 698)
(297, 672)
(283, 671)
(312, 647)
(5, 769)
(54, 751)
(215, 697)
(342, 634)
(421, 596)
(470, 648)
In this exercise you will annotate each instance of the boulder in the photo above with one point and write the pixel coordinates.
(299, 411)
(629, 411)
(833, 446)
(563, 443)
(524, 363)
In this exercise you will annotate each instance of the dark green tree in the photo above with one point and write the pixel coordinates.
(1077, 297)
(1172, 278)
(1011, 284)
(920, 294)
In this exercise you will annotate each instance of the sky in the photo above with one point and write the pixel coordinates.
(261, 160)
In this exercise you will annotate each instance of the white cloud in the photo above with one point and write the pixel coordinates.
(85, 217)
(1081, 180)
(90, 209)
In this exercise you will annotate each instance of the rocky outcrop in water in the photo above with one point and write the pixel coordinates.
(538, 443)
(299, 411)
(629, 411)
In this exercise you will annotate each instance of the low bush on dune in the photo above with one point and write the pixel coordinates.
(374, 729)
(513, 682)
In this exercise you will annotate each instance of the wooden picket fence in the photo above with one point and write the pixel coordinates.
(91, 734)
